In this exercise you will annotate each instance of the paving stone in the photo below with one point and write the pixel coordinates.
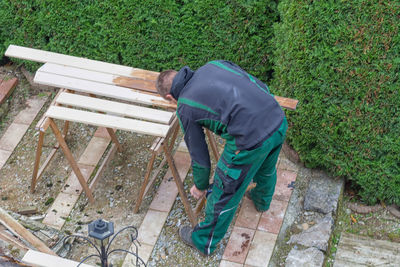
(248, 215)
(261, 249)
(238, 244)
(310, 257)
(144, 253)
(13, 136)
(27, 115)
(102, 133)
(72, 185)
(61, 208)
(165, 196)
(94, 151)
(271, 220)
(316, 236)
(323, 193)
(282, 189)
(225, 263)
(151, 226)
(4, 155)
(287, 165)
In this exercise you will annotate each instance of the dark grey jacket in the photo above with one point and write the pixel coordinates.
(230, 102)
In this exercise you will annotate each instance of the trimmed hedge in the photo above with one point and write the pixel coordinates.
(341, 59)
(153, 35)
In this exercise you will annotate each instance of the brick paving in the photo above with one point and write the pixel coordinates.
(254, 234)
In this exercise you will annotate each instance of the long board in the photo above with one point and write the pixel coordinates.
(107, 78)
(100, 89)
(108, 121)
(117, 108)
(78, 62)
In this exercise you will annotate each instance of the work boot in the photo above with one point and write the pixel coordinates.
(185, 232)
(248, 195)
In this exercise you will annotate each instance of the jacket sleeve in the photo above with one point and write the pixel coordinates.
(197, 146)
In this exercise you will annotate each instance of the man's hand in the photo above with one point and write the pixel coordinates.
(196, 193)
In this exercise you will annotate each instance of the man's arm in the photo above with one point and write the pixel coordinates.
(197, 146)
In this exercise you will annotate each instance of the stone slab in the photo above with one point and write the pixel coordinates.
(287, 165)
(94, 151)
(225, 263)
(355, 250)
(316, 236)
(261, 249)
(282, 190)
(271, 220)
(60, 209)
(13, 136)
(248, 215)
(34, 105)
(165, 196)
(310, 257)
(238, 245)
(102, 133)
(144, 253)
(151, 226)
(323, 193)
(4, 155)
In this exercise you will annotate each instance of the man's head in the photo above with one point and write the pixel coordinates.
(164, 83)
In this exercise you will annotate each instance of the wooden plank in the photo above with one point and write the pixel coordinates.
(354, 250)
(78, 62)
(11, 239)
(116, 108)
(287, 102)
(100, 89)
(45, 260)
(6, 88)
(107, 78)
(11, 223)
(108, 121)
(179, 185)
(71, 160)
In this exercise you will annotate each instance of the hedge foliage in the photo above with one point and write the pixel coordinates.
(341, 59)
(153, 35)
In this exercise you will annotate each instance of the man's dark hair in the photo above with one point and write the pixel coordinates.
(164, 82)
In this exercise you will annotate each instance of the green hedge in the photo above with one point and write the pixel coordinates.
(153, 35)
(341, 59)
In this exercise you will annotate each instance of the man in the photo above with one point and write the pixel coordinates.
(230, 102)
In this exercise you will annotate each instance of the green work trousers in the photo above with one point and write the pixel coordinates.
(233, 174)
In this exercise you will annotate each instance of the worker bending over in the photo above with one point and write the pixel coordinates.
(227, 100)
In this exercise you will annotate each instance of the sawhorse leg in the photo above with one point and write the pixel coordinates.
(71, 160)
(179, 184)
(114, 139)
(150, 165)
(36, 172)
(145, 181)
